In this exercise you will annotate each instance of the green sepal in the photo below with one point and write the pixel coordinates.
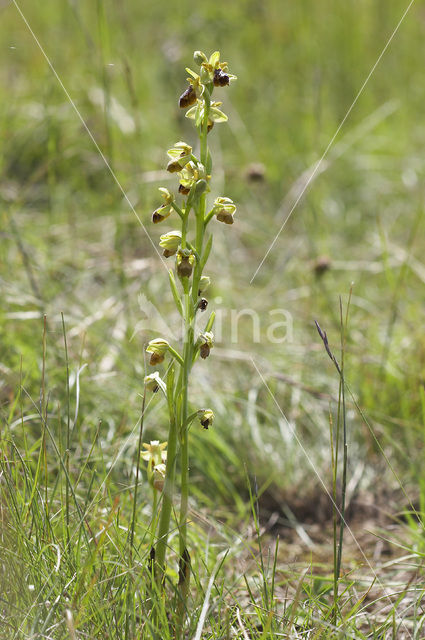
(217, 116)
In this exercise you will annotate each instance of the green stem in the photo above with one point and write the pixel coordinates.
(189, 306)
(176, 355)
(204, 130)
(184, 445)
(168, 491)
(200, 230)
(154, 516)
(208, 217)
(184, 230)
(178, 210)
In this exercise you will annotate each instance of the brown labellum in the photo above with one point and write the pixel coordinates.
(157, 217)
(203, 304)
(188, 98)
(183, 190)
(225, 217)
(156, 358)
(221, 79)
(167, 253)
(184, 269)
(174, 166)
(204, 351)
(205, 423)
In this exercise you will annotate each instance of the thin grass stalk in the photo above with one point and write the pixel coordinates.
(341, 419)
(68, 432)
(334, 466)
(344, 429)
(43, 411)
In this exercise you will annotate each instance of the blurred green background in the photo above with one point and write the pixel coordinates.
(71, 244)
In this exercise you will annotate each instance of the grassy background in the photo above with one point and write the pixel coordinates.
(72, 245)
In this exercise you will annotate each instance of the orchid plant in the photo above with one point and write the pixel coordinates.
(188, 285)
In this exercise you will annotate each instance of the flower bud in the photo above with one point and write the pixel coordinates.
(223, 209)
(200, 187)
(158, 348)
(204, 283)
(205, 74)
(206, 417)
(170, 242)
(206, 343)
(184, 263)
(199, 57)
(153, 382)
(168, 197)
